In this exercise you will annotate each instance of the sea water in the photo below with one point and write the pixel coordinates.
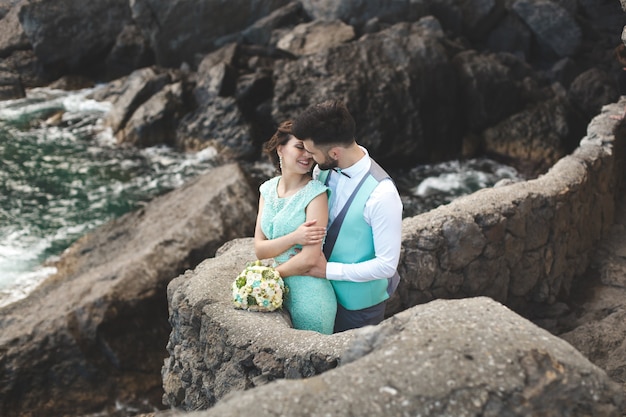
(62, 175)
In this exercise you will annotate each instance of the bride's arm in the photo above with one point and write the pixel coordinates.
(311, 232)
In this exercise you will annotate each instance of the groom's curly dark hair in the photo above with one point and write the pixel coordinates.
(325, 123)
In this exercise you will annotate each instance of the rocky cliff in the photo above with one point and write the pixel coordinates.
(95, 332)
(427, 80)
(521, 244)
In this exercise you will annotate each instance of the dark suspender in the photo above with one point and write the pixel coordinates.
(333, 229)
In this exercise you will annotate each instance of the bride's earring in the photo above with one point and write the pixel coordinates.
(280, 162)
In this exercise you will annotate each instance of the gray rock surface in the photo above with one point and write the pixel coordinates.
(97, 330)
(597, 325)
(399, 84)
(179, 29)
(317, 36)
(471, 357)
(216, 349)
(522, 244)
(554, 27)
(71, 36)
(12, 36)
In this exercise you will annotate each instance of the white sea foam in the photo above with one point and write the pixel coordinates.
(457, 183)
(78, 103)
(19, 270)
(462, 178)
(28, 281)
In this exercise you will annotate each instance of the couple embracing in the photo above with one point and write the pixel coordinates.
(334, 234)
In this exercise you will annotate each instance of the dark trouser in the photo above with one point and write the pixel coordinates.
(353, 319)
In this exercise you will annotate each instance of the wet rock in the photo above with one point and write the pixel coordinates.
(10, 84)
(74, 37)
(95, 332)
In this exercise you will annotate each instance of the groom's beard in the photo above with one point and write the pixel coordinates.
(328, 163)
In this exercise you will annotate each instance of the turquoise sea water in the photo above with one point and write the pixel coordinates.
(61, 176)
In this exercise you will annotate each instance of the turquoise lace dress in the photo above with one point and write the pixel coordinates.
(310, 301)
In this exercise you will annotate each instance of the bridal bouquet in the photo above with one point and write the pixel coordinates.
(258, 288)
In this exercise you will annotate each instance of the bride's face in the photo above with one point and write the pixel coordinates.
(295, 159)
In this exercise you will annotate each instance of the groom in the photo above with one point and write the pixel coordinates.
(365, 216)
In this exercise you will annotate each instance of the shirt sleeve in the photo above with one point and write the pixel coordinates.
(383, 212)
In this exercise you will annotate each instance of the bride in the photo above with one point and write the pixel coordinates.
(290, 227)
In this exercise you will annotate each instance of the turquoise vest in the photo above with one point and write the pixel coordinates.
(355, 243)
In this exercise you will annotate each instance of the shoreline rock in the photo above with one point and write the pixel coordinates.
(95, 332)
(521, 245)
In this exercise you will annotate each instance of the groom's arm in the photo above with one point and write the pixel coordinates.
(309, 256)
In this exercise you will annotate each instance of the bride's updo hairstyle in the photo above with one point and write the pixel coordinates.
(280, 137)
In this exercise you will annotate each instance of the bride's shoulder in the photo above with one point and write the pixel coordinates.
(268, 185)
(316, 186)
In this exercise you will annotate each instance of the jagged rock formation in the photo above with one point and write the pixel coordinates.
(427, 80)
(469, 357)
(522, 244)
(508, 85)
(96, 330)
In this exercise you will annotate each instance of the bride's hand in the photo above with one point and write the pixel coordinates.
(309, 234)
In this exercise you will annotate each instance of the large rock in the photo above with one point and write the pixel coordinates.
(73, 36)
(148, 106)
(462, 357)
(313, 37)
(215, 349)
(95, 332)
(592, 89)
(155, 121)
(490, 87)
(220, 124)
(399, 85)
(137, 88)
(130, 52)
(178, 30)
(523, 243)
(533, 139)
(12, 36)
(554, 27)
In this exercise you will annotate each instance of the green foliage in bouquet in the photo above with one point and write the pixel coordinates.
(258, 288)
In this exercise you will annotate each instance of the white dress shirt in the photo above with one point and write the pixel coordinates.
(383, 212)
